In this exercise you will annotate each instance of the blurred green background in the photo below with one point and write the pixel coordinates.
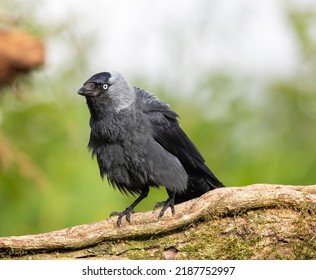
(247, 134)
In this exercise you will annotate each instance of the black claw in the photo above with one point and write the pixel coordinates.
(159, 204)
(115, 213)
(127, 213)
(173, 211)
(119, 221)
(168, 203)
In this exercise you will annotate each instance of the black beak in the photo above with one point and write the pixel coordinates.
(86, 92)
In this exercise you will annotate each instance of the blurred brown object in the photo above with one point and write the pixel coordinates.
(19, 53)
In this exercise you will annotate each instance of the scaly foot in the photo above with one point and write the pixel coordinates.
(127, 213)
(168, 203)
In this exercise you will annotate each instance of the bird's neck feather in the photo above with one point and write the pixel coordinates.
(123, 97)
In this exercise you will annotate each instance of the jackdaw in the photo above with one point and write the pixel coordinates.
(139, 144)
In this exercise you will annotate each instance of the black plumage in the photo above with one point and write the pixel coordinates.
(138, 144)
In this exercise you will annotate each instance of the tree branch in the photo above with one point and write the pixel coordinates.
(217, 203)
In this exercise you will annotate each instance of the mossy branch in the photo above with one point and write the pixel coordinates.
(219, 203)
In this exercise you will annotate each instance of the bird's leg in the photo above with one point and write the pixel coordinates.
(130, 209)
(168, 203)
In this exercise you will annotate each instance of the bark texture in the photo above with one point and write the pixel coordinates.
(253, 222)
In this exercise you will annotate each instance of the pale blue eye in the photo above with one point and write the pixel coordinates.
(105, 86)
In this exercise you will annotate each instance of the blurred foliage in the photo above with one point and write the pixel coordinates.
(48, 180)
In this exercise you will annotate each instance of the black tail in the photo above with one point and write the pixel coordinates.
(197, 186)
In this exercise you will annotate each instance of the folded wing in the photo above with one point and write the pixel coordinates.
(167, 132)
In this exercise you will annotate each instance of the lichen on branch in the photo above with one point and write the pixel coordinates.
(277, 220)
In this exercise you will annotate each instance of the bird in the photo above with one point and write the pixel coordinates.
(138, 143)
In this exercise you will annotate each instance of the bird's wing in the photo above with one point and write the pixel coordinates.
(167, 132)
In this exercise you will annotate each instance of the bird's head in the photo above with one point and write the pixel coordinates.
(108, 88)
